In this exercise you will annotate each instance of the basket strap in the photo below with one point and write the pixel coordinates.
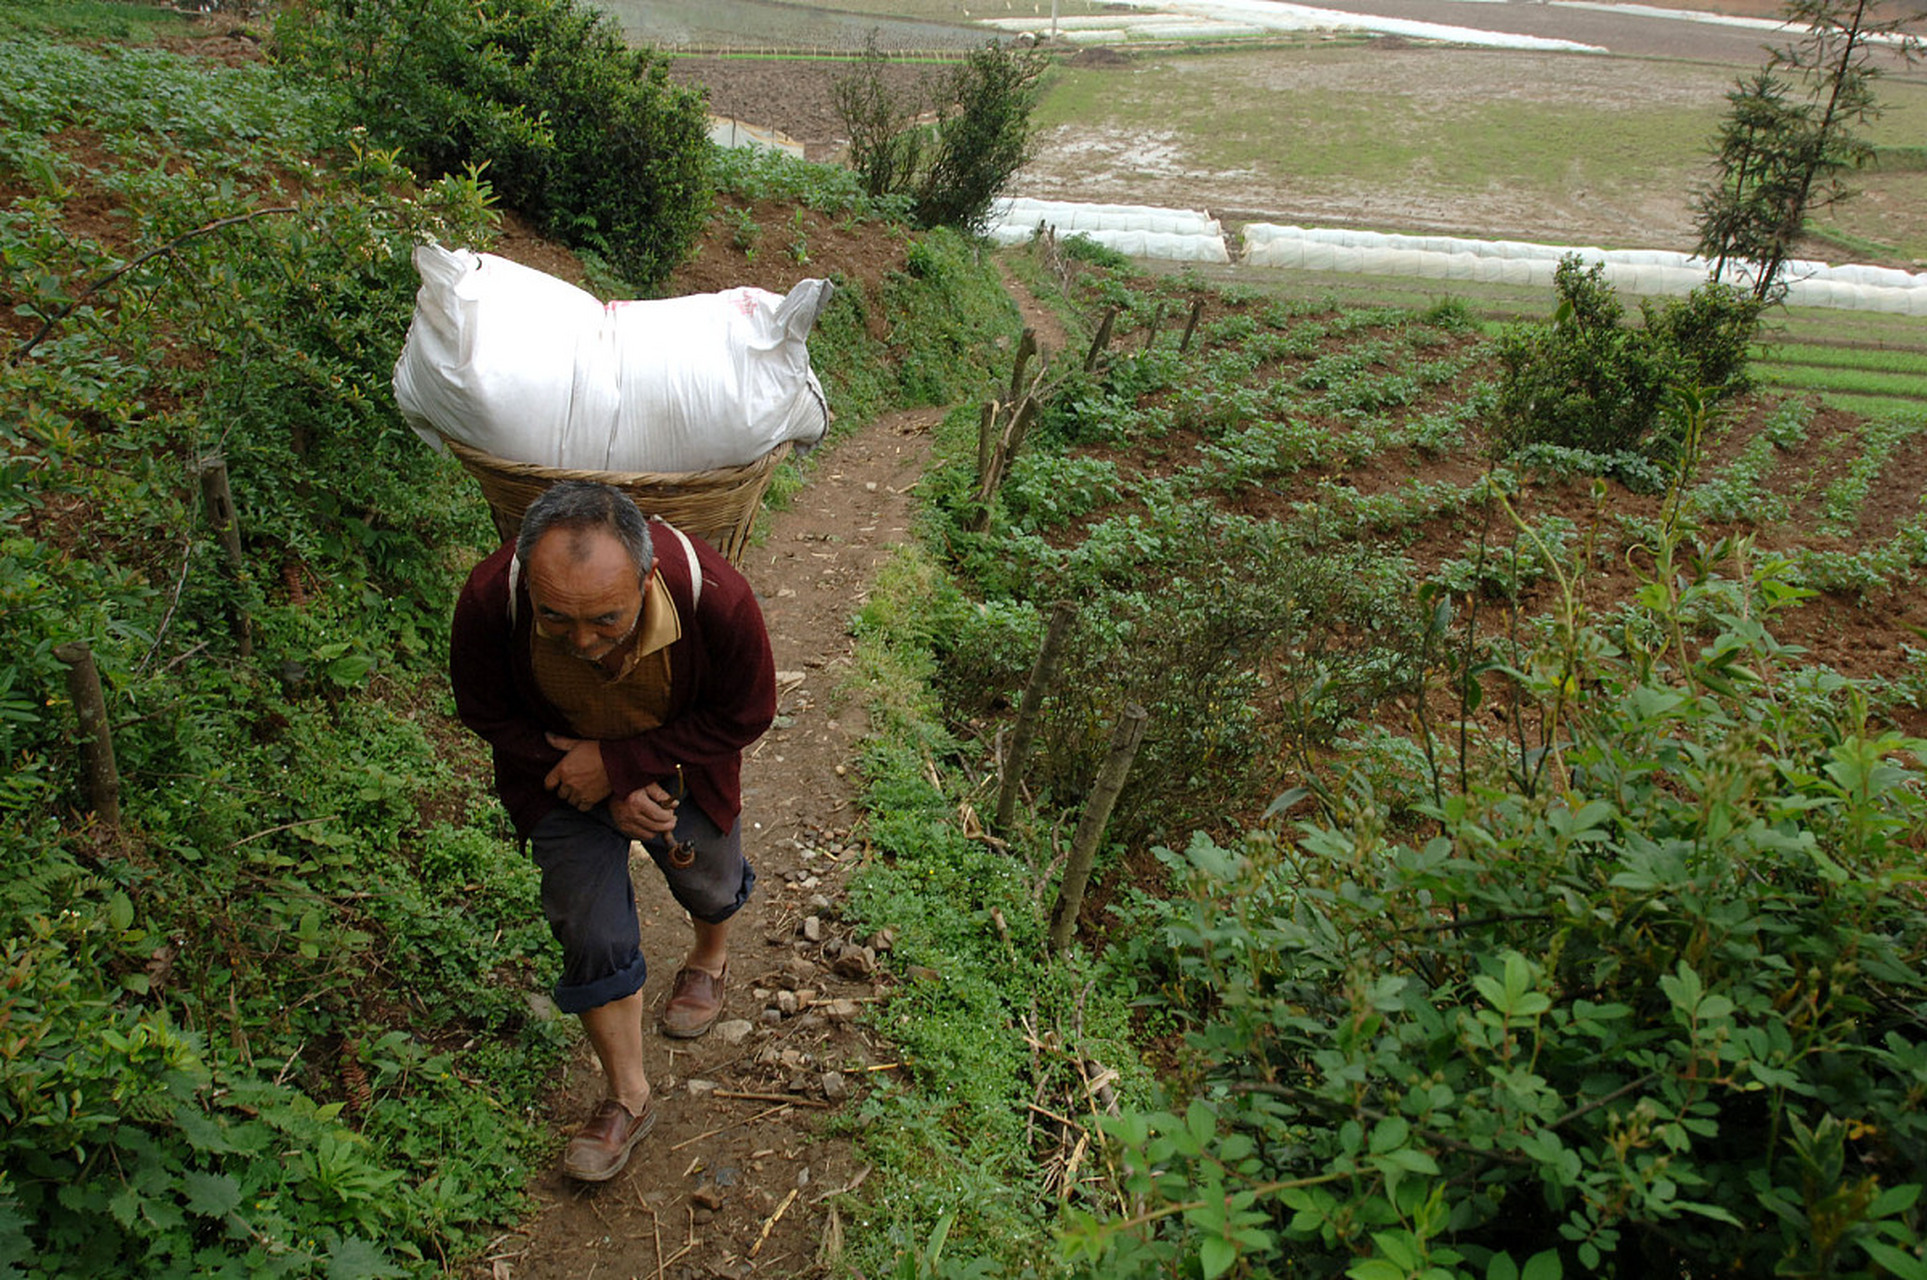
(695, 570)
(515, 581)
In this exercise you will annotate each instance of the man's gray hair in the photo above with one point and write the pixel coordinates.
(583, 505)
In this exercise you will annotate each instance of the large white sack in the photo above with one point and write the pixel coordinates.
(531, 369)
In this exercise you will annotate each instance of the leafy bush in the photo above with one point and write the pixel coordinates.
(583, 133)
(1657, 1014)
(1235, 669)
(1588, 381)
(952, 167)
(194, 1077)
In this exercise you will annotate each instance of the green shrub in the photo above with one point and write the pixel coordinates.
(1660, 1016)
(583, 133)
(1235, 669)
(949, 168)
(1589, 381)
(1081, 248)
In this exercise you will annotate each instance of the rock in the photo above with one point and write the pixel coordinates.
(735, 1031)
(835, 1087)
(883, 940)
(799, 1084)
(805, 997)
(701, 1088)
(842, 1010)
(786, 1004)
(772, 1016)
(820, 902)
(919, 973)
(856, 963)
(706, 1198)
(541, 1008)
(812, 929)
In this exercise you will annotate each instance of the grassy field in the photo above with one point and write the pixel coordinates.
(1577, 150)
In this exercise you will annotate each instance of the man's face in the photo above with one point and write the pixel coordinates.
(585, 591)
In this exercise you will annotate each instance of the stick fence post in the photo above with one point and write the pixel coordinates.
(96, 739)
(219, 500)
(1042, 675)
(1102, 340)
(1090, 826)
(1026, 348)
(1191, 325)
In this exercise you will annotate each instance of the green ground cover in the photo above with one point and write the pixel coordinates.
(1331, 1105)
(283, 1019)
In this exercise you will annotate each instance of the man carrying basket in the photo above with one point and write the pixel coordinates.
(618, 668)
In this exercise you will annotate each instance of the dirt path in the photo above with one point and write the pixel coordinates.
(743, 1110)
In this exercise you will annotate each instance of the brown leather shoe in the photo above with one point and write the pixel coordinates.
(694, 1004)
(601, 1147)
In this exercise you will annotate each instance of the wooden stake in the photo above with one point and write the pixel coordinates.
(1014, 439)
(1102, 340)
(1026, 348)
(1090, 826)
(96, 739)
(1043, 674)
(1191, 325)
(219, 500)
(986, 436)
(1157, 319)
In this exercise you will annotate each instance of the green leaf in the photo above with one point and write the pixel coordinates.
(1375, 1269)
(212, 1195)
(120, 912)
(1894, 1200)
(1411, 1160)
(1544, 1266)
(1392, 1131)
(1904, 1265)
(353, 1258)
(1216, 1255)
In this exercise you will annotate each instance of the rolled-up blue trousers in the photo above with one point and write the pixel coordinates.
(590, 902)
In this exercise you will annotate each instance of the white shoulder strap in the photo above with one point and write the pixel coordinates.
(515, 580)
(695, 569)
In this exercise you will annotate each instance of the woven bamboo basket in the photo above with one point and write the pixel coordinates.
(717, 506)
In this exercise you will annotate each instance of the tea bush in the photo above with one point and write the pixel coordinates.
(572, 126)
(1589, 381)
(1659, 1015)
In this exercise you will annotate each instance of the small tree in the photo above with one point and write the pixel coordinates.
(885, 145)
(949, 153)
(1786, 141)
(1590, 381)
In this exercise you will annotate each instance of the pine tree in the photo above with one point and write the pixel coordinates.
(1792, 131)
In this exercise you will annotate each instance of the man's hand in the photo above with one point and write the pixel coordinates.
(645, 812)
(579, 779)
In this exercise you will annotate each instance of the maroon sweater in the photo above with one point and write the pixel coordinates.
(722, 688)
